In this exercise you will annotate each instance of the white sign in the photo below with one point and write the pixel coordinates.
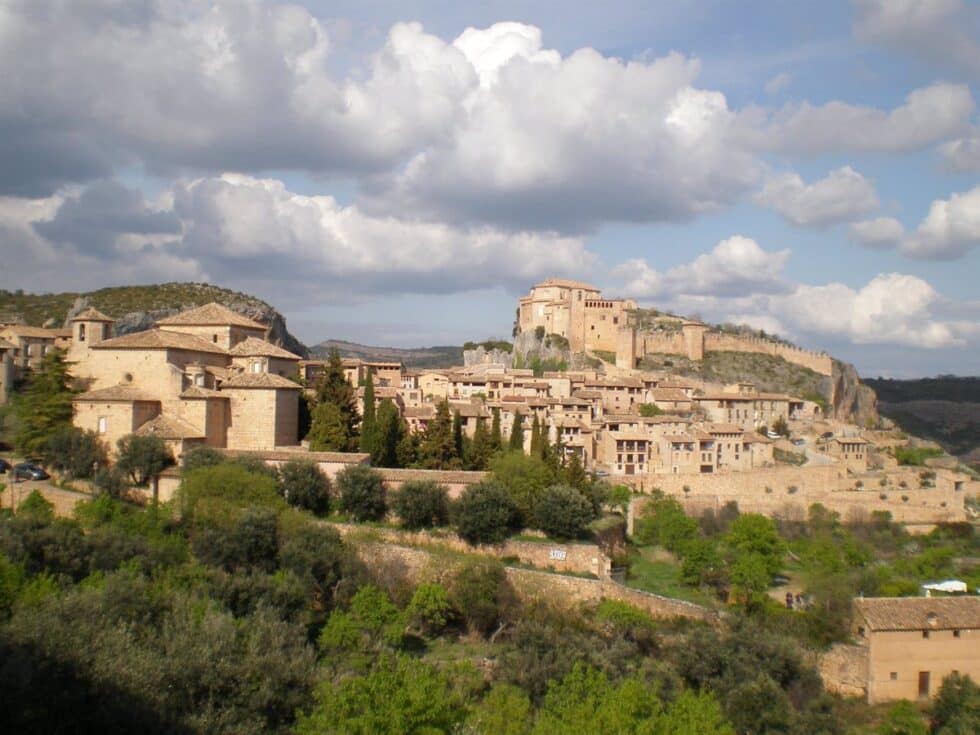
(557, 554)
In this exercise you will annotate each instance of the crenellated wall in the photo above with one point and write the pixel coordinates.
(819, 362)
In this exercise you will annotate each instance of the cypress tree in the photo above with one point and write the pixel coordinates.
(44, 406)
(458, 433)
(438, 450)
(334, 389)
(575, 474)
(517, 433)
(369, 427)
(496, 435)
(390, 431)
(544, 444)
(481, 448)
(535, 436)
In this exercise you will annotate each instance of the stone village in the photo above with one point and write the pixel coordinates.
(209, 376)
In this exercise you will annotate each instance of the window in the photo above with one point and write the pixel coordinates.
(199, 380)
(214, 338)
(923, 683)
(956, 634)
(105, 331)
(103, 424)
(256, 367)
(81, 332)
(893, 676)
(925, 634)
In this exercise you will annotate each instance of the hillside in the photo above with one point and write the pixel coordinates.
(945, 409)
(136, 307)
(416, 357)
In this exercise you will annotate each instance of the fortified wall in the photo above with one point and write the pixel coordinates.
(788, 493)
(693, 340)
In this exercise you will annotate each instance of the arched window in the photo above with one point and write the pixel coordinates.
(81, 332)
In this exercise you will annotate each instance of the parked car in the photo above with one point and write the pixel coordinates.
(827, 435)
(4, 465)
(773, 435)
(28, 471)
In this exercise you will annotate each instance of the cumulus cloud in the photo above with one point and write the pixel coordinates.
(245, 230)
(573, 141)
(950, 230)
(881, 232)
(929, 115)
(733, 267)
(842, 195)
(962, 155)
(943, 32)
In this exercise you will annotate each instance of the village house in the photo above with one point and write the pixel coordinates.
(204, 377)
(912, 643)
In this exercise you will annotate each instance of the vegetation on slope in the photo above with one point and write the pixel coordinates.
(417, 357)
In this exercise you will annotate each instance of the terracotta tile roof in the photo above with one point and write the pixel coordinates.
(196, 391)
(254, 347)
(211, 315)
(419, 412)
(260, 381)
(168, 427)
(469, 410)
(849, 440)
(724, 429)
(587, 394)
(722, 396)
(125, 393)
(919, 613)
(159, 339)
(19, 330)
(61, 333)
(4, 345)
(668, 394)
(222, 373)
(285, 454)
(751, 438)
(92, 315)
(450, 476)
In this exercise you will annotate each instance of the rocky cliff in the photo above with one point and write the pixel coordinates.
(851, 399)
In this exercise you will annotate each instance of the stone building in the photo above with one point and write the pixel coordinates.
(6, 370)
(205, 377)
(912, 643)
(575, 311)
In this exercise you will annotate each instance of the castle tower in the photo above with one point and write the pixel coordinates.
(694, 339)
(91, 327)
(626, 347)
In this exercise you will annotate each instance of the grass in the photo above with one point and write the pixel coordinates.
(794, 458)
(606, 355)
(661, 577)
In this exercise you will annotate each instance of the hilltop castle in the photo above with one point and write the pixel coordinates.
(578, 312)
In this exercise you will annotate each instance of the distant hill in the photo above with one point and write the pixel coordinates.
(416, 357)
(137, 307)
(945, 409)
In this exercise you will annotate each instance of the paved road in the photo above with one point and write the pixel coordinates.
(64, 501)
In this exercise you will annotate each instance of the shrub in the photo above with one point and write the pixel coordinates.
(523, 477)
(362, 493)
(484, 514)
(304, 486)
(217, 495)
(201, 457)
(563, 512)
(480, 593)
(422, 504)
(430, 609)
(75, 453)
(143, 457)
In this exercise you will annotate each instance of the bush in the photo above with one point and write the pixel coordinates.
(563, 512)
(430, 609)
(251, 543)
(111, 482)
(362, 493)
(303, 485)
(481, 594)
(75, 453)
(143, 457)
(524, 478)
(217, 495)
(484, 514)
(201, 457)
(422, 504)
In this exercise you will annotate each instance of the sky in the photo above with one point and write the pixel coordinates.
(398, 173)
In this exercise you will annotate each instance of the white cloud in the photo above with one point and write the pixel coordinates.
(929, 115)
(881, 232)
(736, 265)
(943, 32)
(842, 195)
(950, 230)
(963, 154)
(778, 83)
(256, 232)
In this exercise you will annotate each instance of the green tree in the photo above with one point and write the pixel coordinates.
(496, 434)
(780, 426)
(369, 426)
(75, 453)
(458, 438)
(422, 504)
(752, 533)
(44, 405)
(409, 449)
(650, 409)
(391, 430)
(340, 432)
(663, 521)
(402, 695)
(535, 436)
(430, 610)
(956, 709)
(523, 477)
(563, 512)
(217, 495)
(484, 514)
(516, 442)
(303, 485)
(574, 473)
(696, 713)
(505, 710)
(362, 493)
(438, 448)
(143, 458)
(903, 719)
(481, 448)
(481, 594)
(201, 457)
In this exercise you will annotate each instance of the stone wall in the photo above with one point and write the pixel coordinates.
(844, 670)
(788, 492)
(819, 362)
(559, 557)
(530, 585)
